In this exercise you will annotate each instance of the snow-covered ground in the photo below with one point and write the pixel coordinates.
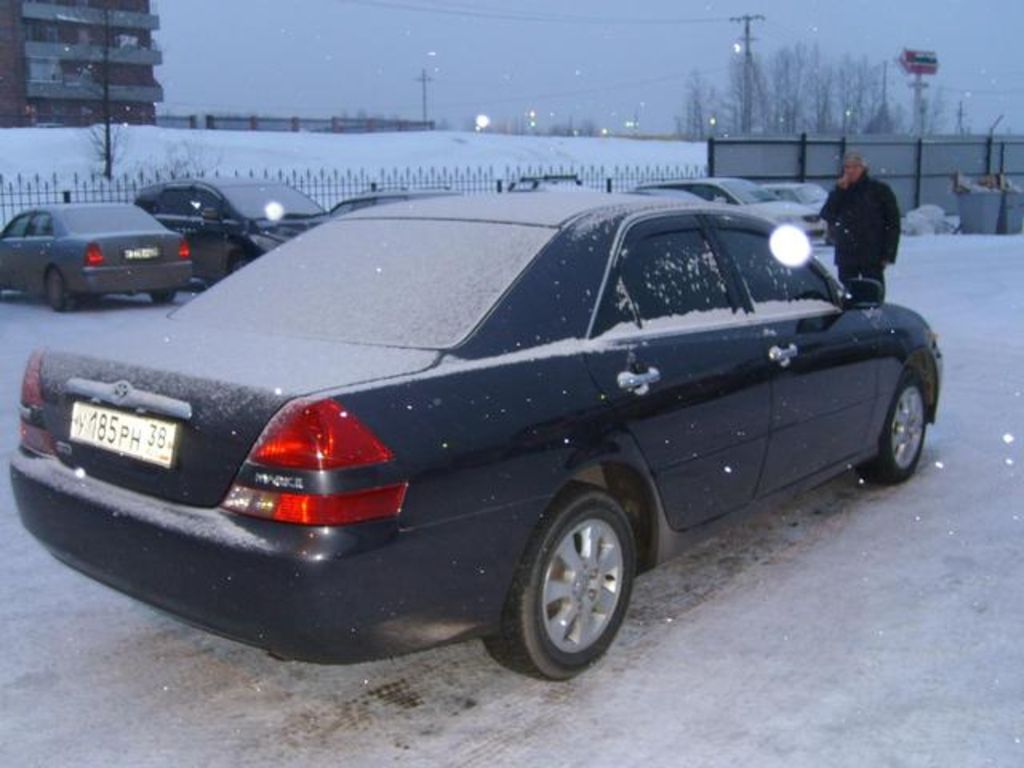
(856, 626)
(68, 151)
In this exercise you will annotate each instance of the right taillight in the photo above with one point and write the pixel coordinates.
(314, 436)
(93, 255)
(34, 436)
(184, 252)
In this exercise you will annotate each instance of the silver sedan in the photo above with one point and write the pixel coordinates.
(65, 251)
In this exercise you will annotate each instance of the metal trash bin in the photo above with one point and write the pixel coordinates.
(1011, 214)
(979, 211)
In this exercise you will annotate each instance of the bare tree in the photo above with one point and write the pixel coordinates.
(787, 84)
(108, 148)
(935, 117)
(821, 83)
(107, 144)
(701, 99)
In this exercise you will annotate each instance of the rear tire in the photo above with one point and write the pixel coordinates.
(902, 439)
(56, 291)
(571, 590)
(162, 297)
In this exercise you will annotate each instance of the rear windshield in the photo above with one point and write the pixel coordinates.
(397, 282)
(257, 201)
(103, 219)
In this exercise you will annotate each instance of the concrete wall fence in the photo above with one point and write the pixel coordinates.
(920, 171)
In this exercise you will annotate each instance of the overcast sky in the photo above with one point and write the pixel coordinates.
(603, 60)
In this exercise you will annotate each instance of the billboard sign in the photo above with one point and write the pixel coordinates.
(919, 62)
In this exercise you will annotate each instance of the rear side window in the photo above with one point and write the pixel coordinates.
(768, 281)
(397, 282)
(41, 226)
(666, 280)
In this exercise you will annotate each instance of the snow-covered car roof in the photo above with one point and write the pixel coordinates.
(550, 209)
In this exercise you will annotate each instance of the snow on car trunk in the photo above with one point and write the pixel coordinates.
(197, 397)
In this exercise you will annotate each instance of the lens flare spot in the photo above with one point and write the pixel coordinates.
(790, 246)
(274, 211)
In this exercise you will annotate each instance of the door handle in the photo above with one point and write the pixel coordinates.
(639, 383)
(783, 355)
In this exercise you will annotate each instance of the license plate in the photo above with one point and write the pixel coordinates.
(140, 437)
(141, 254)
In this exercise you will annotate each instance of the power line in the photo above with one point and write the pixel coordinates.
(530, 17)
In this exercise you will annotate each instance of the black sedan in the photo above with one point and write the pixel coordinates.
(65, 251)
(458, 418)
(229, 222)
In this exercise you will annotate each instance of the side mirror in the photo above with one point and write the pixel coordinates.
(864, 293)
(211, 214)
(719, 199)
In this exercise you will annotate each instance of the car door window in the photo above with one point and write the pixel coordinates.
(41, 226)
(772, 286)
(17, 227)
(667, 280)
(201, 199)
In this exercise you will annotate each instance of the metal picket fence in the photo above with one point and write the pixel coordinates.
(329, 187)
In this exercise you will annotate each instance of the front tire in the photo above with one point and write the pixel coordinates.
(571, 591)
(902, 439)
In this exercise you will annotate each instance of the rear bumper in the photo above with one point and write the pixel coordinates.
(317, 594)
(130, 279)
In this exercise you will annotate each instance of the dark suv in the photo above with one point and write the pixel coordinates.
(228, 223)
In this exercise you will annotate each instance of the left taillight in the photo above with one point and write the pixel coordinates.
(184, 252)
(314, 437)
(93, 255)
(34, 436)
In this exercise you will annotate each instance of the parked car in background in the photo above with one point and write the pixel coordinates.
(66, 251)
(371, 199)
(230, 222)
(805, 193)
(550, 181)
(753, 197)
(458, 418)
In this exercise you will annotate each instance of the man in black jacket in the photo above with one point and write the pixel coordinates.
(864, 219)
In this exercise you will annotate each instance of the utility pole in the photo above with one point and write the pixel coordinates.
(423, 79)
(748, 69)
(960, 118)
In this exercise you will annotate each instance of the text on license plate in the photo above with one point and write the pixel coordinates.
(141, 437)
(136, 254)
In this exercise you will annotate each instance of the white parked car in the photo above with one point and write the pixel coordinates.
(805, 193)
(753, 197)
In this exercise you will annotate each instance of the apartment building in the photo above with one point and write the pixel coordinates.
(66, 62)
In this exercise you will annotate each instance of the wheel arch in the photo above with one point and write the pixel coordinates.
(635, 492)
(923, 364)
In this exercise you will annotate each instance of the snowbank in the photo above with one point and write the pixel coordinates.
(927, 220)
(68, 151)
